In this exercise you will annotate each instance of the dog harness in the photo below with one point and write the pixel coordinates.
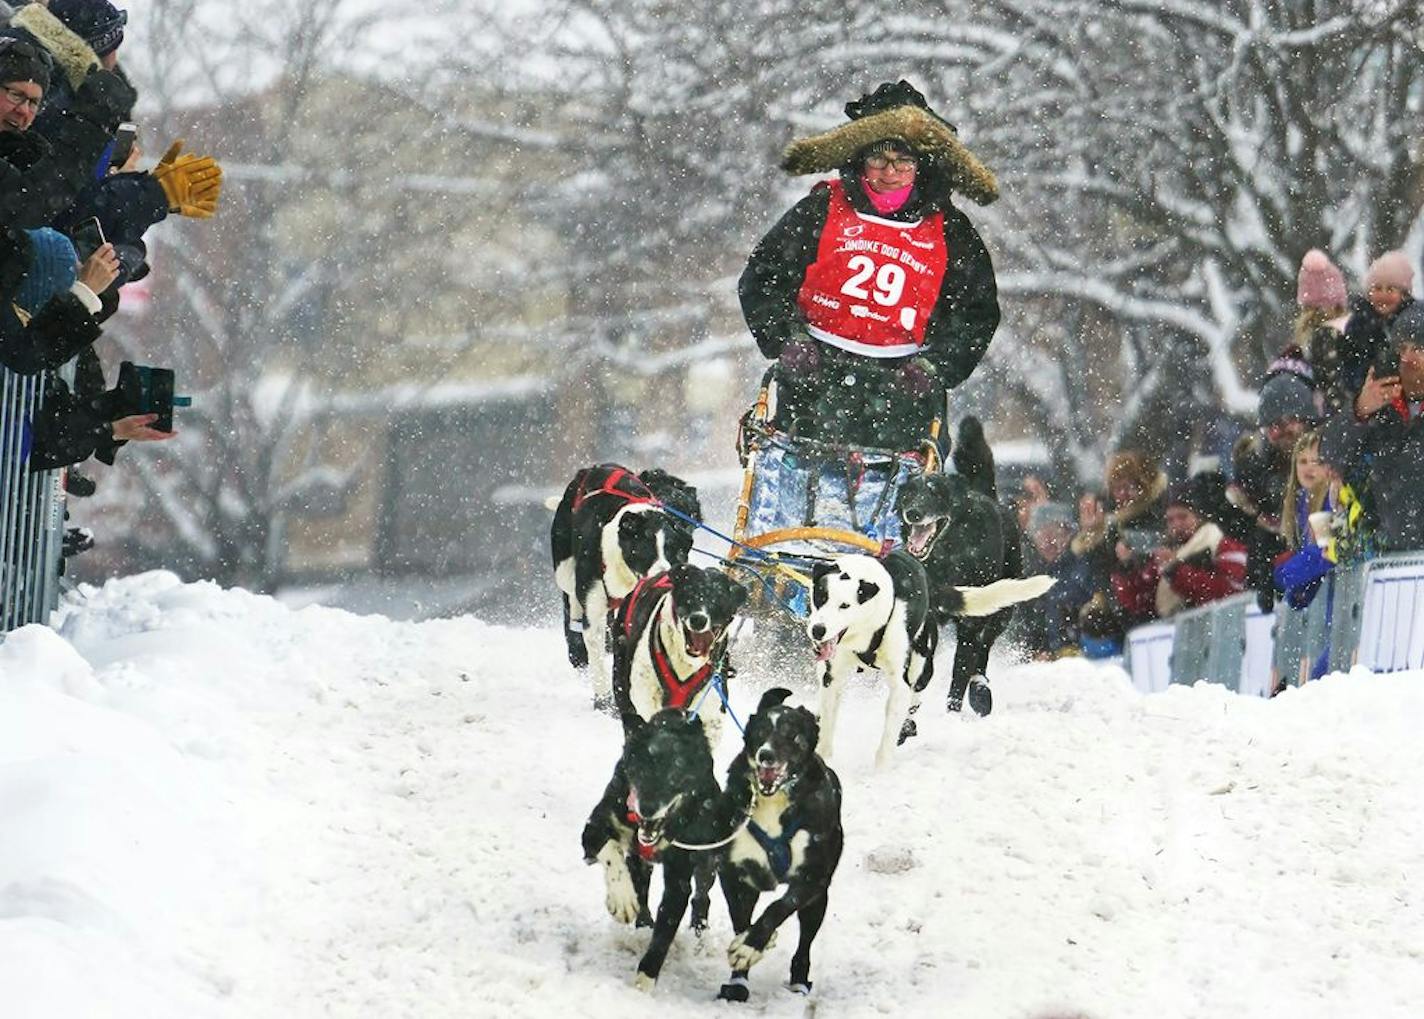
(620, 482)
(778, 850)
(640, 610)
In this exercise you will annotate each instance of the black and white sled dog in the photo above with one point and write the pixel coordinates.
(609, 532)
(670, 637)
(662, 798)
(792, 836)
(956, 527)
(875, 613)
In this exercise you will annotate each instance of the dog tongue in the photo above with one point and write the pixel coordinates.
(699, 643)
(824, 650)
(647, 851)
(920, 535)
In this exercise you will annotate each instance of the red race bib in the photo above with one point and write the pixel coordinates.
(874, 282)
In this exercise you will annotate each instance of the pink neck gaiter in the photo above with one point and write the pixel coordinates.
(890, 201)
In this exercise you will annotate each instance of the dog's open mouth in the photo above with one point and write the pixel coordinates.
(699, 642)
(921, 537)
(827, 647)
(769, 777)
(649, 836)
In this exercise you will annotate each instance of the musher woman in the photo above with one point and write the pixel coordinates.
(874, 293)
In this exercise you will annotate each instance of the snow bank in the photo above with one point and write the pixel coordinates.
(216, 806)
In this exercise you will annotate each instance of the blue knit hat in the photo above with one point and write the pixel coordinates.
(53, 268)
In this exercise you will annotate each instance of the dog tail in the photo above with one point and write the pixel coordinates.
(973, 459)
(1001, 594)
(552, 503)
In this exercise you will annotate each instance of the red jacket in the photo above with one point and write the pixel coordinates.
(1191, 580)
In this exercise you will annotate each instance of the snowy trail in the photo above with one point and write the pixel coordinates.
(219, 807)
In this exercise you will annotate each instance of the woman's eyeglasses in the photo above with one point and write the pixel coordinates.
(900, 163)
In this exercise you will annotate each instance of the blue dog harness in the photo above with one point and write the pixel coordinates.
(778, 850)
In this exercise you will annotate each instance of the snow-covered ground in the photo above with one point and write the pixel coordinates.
(216, 806)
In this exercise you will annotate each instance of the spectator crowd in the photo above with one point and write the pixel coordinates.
(74, 207)
(1330, 473)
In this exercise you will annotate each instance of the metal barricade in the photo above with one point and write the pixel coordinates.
(1391, 620)
(1346, 616)
(1148, 656)
(1210, 643)
(31, 510)
(1300, 636)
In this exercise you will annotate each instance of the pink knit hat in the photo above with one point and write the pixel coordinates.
(1392, 269)
(1320, 283)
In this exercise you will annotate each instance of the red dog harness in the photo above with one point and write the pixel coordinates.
(643, 607)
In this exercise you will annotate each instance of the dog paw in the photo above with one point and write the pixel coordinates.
(578, 654)
(621, 898)
(645, 919)
(741, 955)
(645, 983)
(735, 989)
(954, 704)
(802, 989)
(907, 731)
(603, 704)
(981, 698)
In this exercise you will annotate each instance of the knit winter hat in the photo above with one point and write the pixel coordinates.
(1320, 283)
(1408, 327)
(1201, 493)
(97, 22)
(1392, 269)
(24, 59)
(53, 267)
(1286, 395)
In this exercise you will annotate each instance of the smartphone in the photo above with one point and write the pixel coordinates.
(145, 390)
(123, 145)
(88, 237)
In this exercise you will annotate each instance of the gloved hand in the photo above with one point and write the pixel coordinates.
(918, 378)
(800, 357)
(191, 183)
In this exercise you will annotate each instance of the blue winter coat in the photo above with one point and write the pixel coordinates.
(1299, 576)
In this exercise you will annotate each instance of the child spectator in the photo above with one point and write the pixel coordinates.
(1319, 324)
(1387, 294)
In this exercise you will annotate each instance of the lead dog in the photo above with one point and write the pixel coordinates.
(792, 836)
(608, 533)
(868, 612)
(956, 527)
(669, 639)
(663, 791)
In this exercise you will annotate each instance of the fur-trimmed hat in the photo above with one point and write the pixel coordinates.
(1131, 465)
(1320, 283)
(895, 111)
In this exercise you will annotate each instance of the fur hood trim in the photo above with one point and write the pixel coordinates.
(823, 153)
(1144, 502)
(70, 52)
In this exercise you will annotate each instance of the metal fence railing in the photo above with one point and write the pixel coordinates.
(1369, 613)
(31, 510)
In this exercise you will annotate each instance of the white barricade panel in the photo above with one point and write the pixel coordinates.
(1149, 656)
(1260, 649)
(1392, 621)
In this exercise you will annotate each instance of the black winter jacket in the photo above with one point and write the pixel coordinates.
(1387, 451)
(1366, 334)
(964, 319)
(73, 424)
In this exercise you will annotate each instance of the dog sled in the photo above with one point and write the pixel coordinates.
(804, 499)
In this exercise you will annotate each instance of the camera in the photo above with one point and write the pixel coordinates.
(145, 390)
